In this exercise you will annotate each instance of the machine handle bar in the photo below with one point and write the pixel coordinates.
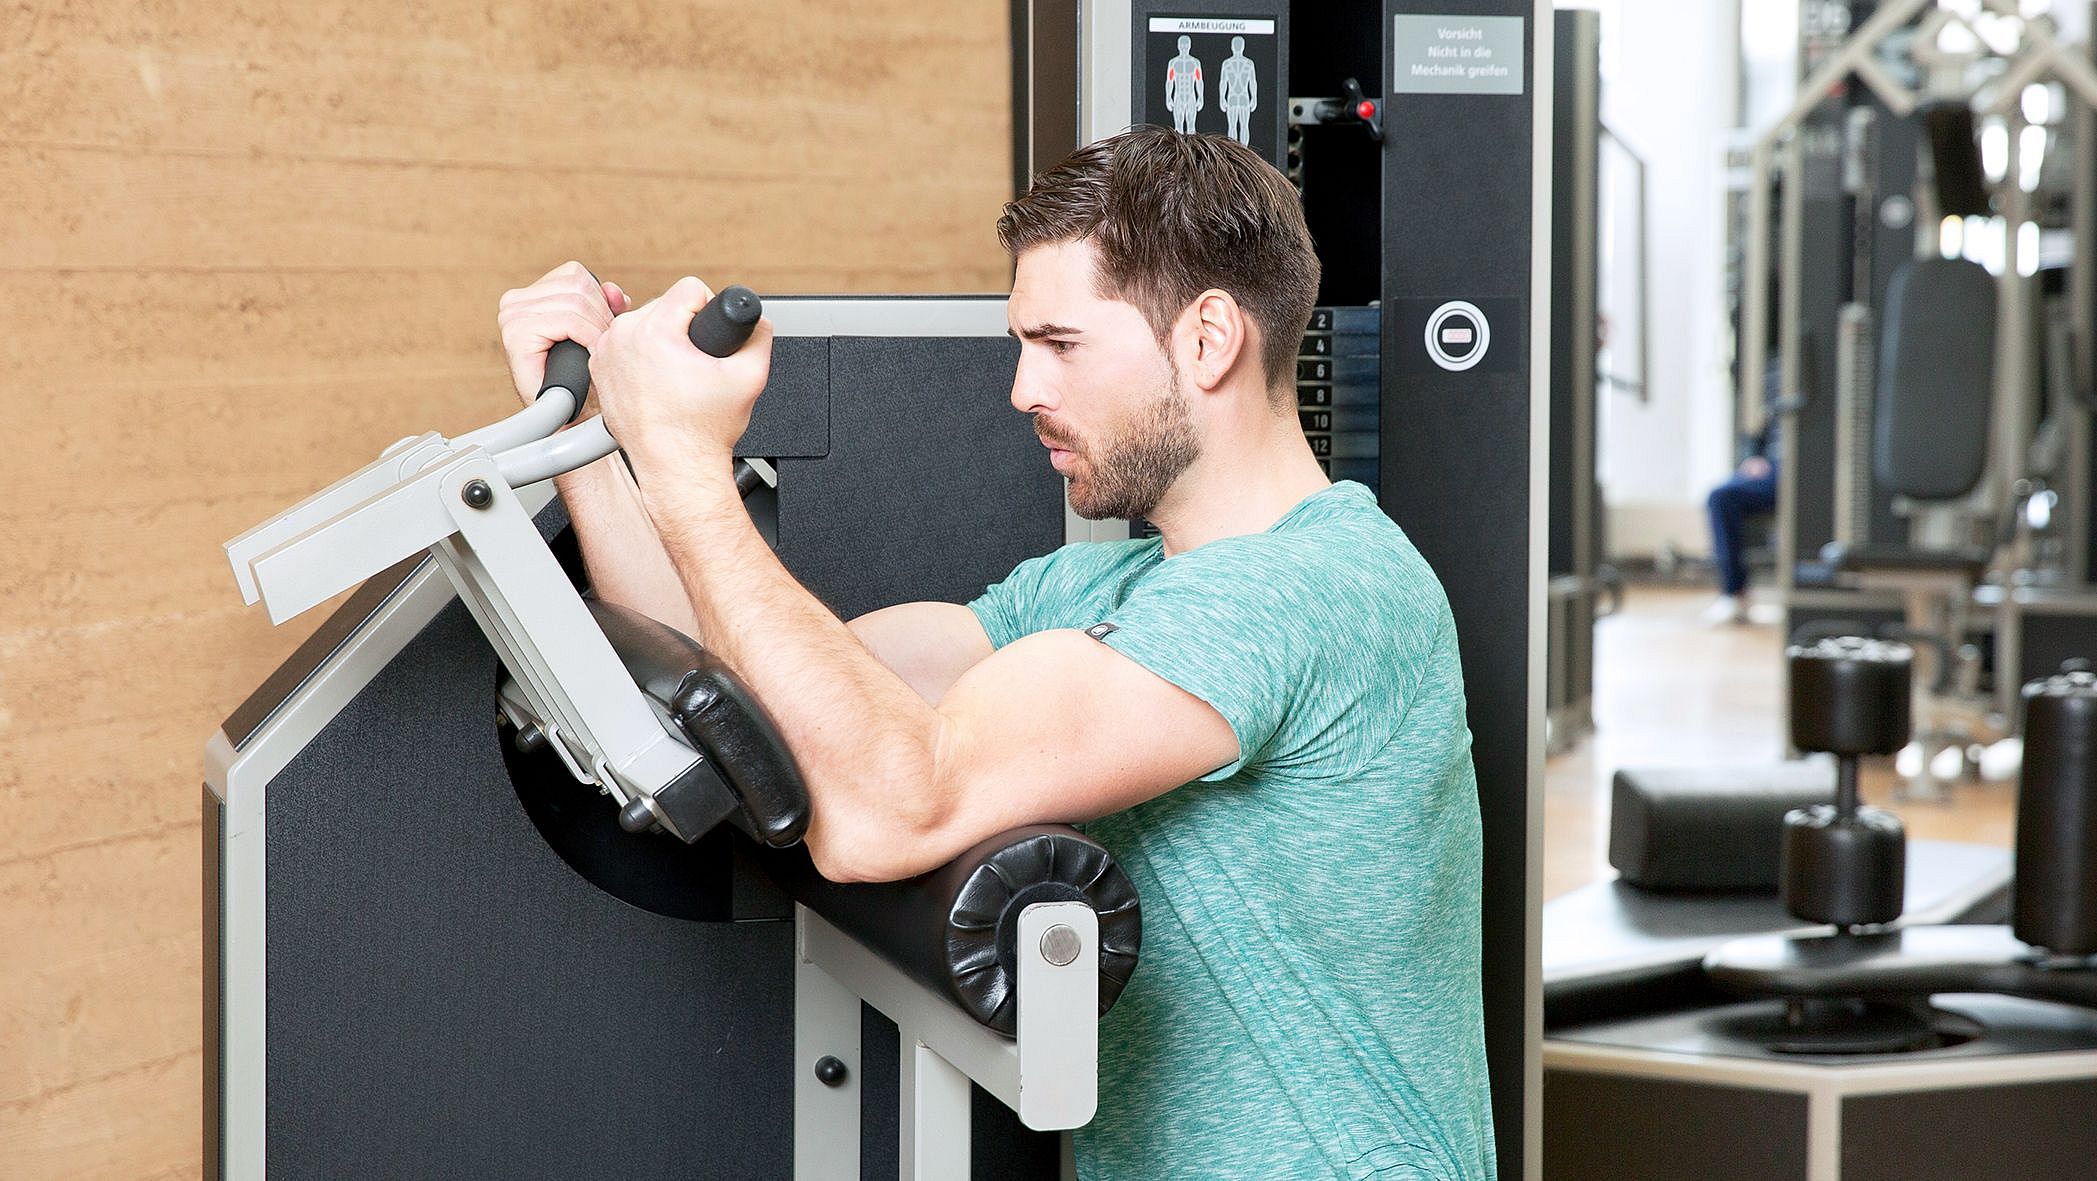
(720, 329)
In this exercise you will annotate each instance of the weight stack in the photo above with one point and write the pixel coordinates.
(1338, 383)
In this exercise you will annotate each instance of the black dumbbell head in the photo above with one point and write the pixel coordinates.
(1850, 695)
(2054, 898)
(1847, 870)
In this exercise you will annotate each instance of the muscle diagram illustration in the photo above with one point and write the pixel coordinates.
(1183, 87)
(1238, 91)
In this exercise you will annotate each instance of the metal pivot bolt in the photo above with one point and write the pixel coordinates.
(1060, 945)
(477, 494)
(831, 1071)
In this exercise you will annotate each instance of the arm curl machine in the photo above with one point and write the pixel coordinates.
(995, 968)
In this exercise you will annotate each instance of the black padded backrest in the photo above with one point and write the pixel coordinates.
(1936, 379)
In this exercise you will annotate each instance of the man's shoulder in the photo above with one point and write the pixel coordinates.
(1080, 557)
(1340, 542)
(1077, 569)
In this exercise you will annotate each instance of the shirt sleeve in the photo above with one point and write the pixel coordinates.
(1009, 609)
(1236, 624)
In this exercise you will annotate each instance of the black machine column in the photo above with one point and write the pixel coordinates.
(1464, 432)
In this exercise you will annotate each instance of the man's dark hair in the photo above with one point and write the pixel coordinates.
(1170, 216)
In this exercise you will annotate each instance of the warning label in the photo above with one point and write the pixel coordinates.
(1456, 55)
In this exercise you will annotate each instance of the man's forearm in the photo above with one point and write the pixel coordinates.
(625, 557)
(866, 743)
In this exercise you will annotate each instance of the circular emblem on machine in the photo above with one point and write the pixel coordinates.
(1457, 335)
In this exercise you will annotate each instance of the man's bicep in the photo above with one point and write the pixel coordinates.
(928, 645)
(1058, 727)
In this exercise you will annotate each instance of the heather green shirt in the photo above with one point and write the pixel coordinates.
(1307, 1003)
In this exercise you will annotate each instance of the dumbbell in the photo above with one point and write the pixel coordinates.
(1844, 863)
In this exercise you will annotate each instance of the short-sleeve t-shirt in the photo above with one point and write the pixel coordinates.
(1308, 999)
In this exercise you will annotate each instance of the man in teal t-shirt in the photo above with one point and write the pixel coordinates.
(1307, 1003)
(1260, 712)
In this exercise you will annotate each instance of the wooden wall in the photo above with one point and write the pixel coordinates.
(247, 245)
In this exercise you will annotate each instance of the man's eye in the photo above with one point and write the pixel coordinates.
(1059, 347)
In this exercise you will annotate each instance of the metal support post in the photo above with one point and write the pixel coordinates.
(826, 1076)
(935, 1124)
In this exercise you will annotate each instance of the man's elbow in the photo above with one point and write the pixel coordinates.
(890, 836)
(849, 854)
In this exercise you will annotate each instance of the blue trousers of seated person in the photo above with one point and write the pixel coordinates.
(1730, 505)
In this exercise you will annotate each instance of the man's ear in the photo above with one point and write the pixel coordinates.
(1218, 333)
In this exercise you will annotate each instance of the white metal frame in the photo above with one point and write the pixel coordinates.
(1048, 1074)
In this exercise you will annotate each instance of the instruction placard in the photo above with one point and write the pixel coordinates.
(1217, 74)
(1456, 55)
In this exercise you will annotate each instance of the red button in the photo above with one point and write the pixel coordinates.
(1365, 109)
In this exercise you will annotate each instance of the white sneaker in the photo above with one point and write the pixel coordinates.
(1726, 609)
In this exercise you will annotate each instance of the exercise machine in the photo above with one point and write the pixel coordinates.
(424, 958)
(1857, 197)
(496, 877)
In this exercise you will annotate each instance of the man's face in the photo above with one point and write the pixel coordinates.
(1105, 398)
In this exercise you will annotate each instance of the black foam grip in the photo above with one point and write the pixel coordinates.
(726, 321)
(956, 929)
(717, 715)
(1850, 695)
(568, 367)
(2054, 900)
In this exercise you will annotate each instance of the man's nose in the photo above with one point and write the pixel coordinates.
(1029, 395)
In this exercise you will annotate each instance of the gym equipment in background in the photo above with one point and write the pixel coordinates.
(1935, 379)
(1848, 875)
(1870, 193)
(1927, 1046)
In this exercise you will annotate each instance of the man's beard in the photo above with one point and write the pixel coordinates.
(1134, 471)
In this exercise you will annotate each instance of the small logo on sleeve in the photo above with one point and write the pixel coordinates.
(1100, 631)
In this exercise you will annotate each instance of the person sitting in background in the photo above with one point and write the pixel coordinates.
(1752, 491)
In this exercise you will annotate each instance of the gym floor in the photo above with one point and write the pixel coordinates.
(1672, 691)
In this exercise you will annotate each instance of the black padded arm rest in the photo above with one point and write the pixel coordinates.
(1692, 829)
(718, 716)
(955, 929)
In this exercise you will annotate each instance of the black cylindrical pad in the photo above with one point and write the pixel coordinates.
(955, 929)
(2054, 899)
(726, 321)
(1850, 695)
